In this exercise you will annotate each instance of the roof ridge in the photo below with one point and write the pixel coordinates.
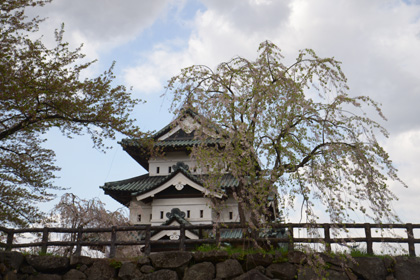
(171, 125)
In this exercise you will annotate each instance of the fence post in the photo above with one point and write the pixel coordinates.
(9, 244)
(291, 246)
(78, 251)
(147, 245)
(369, 245)
(182, 237)
(410, 236)
(113, 240)
(200, 233)
(44, 240)
(327, 238)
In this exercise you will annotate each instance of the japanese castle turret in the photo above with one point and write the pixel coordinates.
(172, 193)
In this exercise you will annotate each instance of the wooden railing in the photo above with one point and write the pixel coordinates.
(145, 232)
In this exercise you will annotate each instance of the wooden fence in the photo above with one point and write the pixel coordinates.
(145, 231)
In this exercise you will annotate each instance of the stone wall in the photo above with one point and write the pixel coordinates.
(203, 265)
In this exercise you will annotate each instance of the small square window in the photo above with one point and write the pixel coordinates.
(230, 215)
(138, 218)
(161, 214)
(157, 170)
(188, 213)
(201, 213)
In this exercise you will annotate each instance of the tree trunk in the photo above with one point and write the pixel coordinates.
(241, 209)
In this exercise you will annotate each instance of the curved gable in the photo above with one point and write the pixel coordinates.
(180, 179)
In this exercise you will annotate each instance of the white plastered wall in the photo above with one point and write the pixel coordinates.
(193, 205)
(139, 208)
(229, 206)
(169, 160)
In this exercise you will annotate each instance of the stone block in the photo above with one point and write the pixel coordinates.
(147, 269)
(407, 268)
(12, 260)
(100, 269)
(296, 257)
(283, 270)
(335, 260)
(253, 274)
(129, 271)
(11, 275)
(74, 274)
(229, 269)
(3, 269)
(170, 259)
(42, 276)
(254, 260)
(27, 269)
(211, 256)
(164, 274)
(204, 271)
(50, 264)
(369, 268)
(81, 260)
(143, 260)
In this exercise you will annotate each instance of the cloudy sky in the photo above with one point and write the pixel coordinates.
(378, 42)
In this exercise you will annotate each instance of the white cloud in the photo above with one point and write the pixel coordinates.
(404, 150)
(378, 43)
(249, 16)
(162, 63)
(99, 24)
(216, 37)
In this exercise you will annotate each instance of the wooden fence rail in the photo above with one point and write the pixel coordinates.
(145, 234)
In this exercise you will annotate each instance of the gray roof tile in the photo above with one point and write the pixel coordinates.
(144, 183)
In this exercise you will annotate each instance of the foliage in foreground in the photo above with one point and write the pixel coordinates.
(41, 88)
(75, 212)
(281, 252)
(289, 132)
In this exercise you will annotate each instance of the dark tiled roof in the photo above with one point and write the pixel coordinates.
(231, 233)
(140, 183)
(144, 183)
(169, 143)
(178, 139)
(177, 143)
